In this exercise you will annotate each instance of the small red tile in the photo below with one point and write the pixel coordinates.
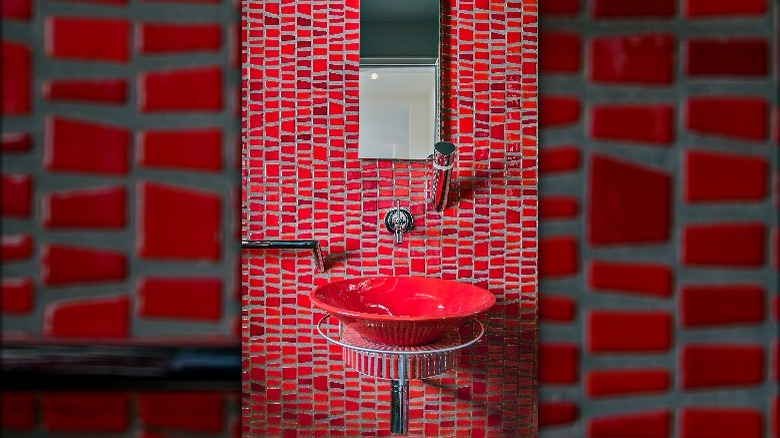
(16, 190)
(611, 331)
(196, 89)
(16, 142)
(184, 298)
(194, 149)
(16, 247)
(556, 308)
(558, 256)
(628, 203)
(556, 413)
(190, 411)
(16, 78)
(720, 422)
(631, 278)
(559, 52)
(639, 59)
(723, 8)
(712, 366)
(650, 424)
(88, 39)
(88, 318)
(85, 412)
(95, 207)
(16, 9)
(727, 57)
(775, 416)
(724, 245)
(601, 383)
(719, 177)
(558, 363)
(648, 125)
(559, 7)
(110, 91)
(82, 146)
(162, 232)
(18, 409)
(709, 305)
(558, 110)
(559, 159)
(558, 207)
(65, 265)
(634, 9)
(17, 296)
(165, 38)
(744, 118)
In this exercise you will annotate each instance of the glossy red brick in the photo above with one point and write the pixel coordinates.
(614, 382)
(194, 149)
(164, 38)
(190, 411)
(17, 296)
(637, 59)
(558, 207)
(558, 363)
(648, 125)
(560, 52)
(16, 190)
(634, 9)
(16, 78)
(647, 424)
(744, 118)
(631, 278)
(184, 298)
(88, 39)
(719, 177)
(18, 409)
(611, 331)
(16, 9)
(731, 244)
(710, 305)
(775, 416)
(85, 412)
(96, 207)
(109, 90)
(723, 8)
(162, 233)
(559, 159)
(16, 142)
(106, 317)
(557, 413)
(558, 256)
(727, 57)
(559, 7)
(715, 365)
(16, 247)
(192, 89)
(720, 422)
(628, 203)
(556, 308)
(83, 146)
(558, 111)
(69, 265)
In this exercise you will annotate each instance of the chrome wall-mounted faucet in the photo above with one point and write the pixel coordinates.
(399, 221)
(443, 161)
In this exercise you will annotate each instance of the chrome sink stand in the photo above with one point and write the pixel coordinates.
(399, 364)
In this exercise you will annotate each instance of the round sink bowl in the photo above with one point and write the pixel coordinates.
(402, 311)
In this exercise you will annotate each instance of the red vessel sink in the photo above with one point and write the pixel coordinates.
(402, 311)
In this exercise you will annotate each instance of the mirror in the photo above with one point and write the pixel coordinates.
(399, 78)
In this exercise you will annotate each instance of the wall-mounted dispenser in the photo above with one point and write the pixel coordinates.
(443, 161)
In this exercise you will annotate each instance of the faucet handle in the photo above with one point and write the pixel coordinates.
(399, 221)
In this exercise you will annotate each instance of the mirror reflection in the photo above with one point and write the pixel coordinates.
(399, 71)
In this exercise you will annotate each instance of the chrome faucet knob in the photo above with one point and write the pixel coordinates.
(399, 221)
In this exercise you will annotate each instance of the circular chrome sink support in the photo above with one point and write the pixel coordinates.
(399, 364)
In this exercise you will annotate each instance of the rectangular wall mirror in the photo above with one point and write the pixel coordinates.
(399, 78)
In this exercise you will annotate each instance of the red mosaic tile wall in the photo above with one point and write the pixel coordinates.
(659, 248)
(303, 180)
(119, 135)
